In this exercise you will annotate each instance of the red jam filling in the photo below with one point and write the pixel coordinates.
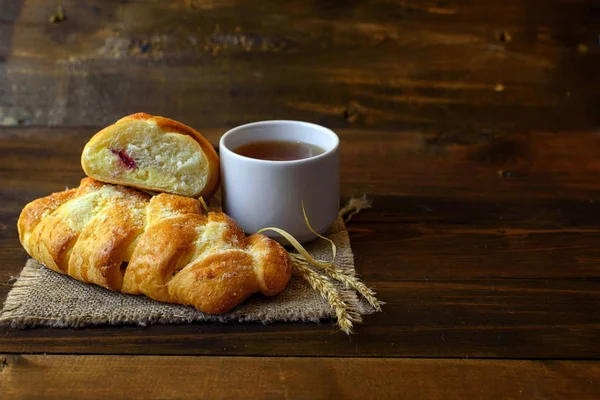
(125, 158)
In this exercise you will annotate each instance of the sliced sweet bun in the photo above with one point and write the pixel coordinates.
(153, 153)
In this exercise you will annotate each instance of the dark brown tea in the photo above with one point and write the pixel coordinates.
(279, 150)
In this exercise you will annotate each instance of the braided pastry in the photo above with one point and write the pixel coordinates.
(153, 153)
(163, 246)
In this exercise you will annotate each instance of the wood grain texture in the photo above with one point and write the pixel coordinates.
(473, 126)
(100, 377)
(376, 64)
(471, 263)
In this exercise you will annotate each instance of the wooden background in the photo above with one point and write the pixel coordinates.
(473, 125)
(423, 65)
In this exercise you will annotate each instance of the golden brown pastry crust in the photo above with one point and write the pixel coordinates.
(165, 126)
(163, 246)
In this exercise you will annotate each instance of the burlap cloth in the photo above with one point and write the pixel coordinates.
(43, 298)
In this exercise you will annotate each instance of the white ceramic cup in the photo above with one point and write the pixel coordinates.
(260, 193)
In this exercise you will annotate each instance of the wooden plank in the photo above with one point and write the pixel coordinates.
(10, 10)
(490, 319)
(481, 164)
(98, 377)
(471, 263)
(362, 64)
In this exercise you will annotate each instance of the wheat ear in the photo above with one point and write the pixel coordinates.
(348, 280)
(345, 314)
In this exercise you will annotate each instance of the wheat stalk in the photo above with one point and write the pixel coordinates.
(344, 313)
(348, 280)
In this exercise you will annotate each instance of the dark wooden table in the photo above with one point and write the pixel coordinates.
(473, 125)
